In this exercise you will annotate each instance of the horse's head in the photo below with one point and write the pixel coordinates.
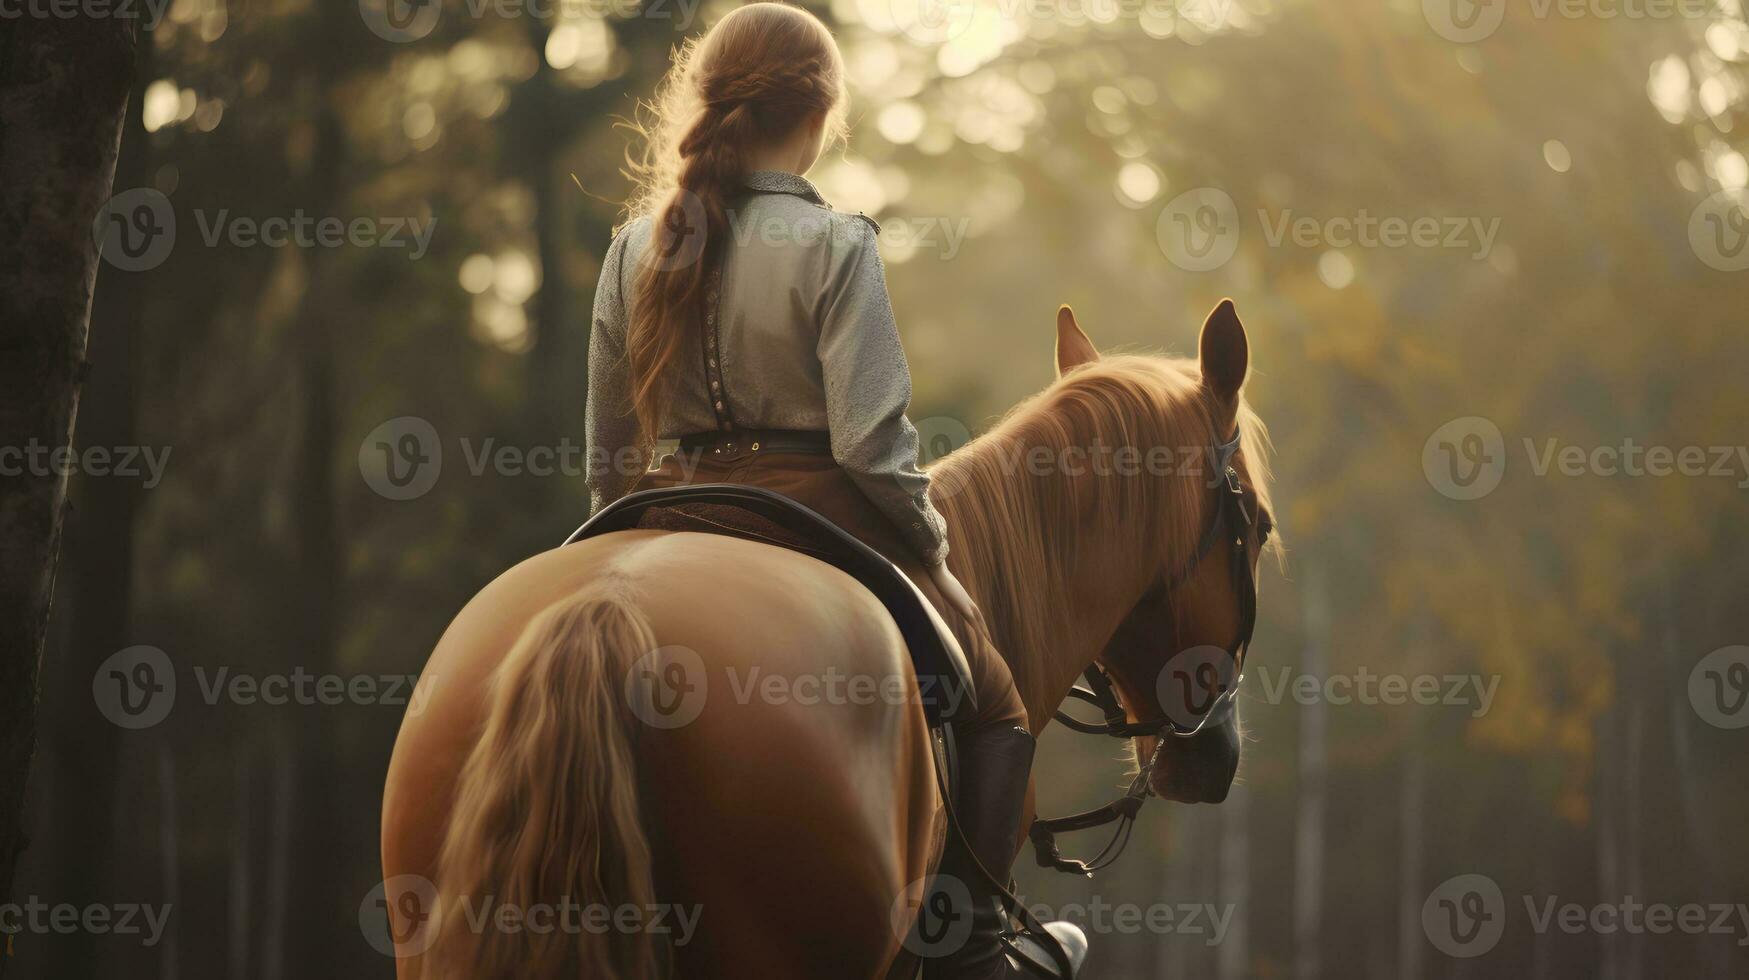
(1176, 659)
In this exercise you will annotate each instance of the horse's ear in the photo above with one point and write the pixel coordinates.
(1224, 352)
(1073, 347)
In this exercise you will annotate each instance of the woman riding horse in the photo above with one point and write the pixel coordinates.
(742, 316)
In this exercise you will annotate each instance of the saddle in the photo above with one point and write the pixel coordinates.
(944, 679)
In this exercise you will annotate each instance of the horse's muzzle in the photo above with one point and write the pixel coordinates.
(1198, 769)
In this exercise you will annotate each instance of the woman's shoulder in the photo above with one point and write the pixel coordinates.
(629, 239)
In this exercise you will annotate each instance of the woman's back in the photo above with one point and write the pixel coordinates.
(797, 334)
(786, 267)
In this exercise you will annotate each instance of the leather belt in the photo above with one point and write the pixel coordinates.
(751, 442)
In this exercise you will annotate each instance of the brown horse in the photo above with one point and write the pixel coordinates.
(734, 727)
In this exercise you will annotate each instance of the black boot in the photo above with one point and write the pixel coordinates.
(994, 764)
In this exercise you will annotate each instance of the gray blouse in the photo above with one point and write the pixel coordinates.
(807, 341)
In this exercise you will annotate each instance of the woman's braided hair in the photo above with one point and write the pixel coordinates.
(761, 72)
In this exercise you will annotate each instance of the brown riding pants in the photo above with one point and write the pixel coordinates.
(821, 484)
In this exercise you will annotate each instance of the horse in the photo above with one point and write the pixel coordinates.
(776, 818)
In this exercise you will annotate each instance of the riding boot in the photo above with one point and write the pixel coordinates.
(994, 765)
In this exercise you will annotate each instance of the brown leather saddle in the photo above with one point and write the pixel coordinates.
(944, 680)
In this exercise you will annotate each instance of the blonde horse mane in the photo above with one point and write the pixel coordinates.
(1020, 525)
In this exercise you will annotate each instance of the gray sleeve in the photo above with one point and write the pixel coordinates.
(868, 389)
(610, 426)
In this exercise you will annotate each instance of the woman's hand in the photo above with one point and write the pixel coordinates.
(956, 595)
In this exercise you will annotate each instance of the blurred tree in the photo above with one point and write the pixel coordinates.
(63, 91)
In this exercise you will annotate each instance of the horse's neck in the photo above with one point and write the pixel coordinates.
(1111, 579)
(1093, 611)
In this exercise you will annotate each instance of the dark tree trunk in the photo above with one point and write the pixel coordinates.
(318, 879)
(98, 590)
(63, 93)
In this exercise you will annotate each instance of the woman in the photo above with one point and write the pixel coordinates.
(742, 316)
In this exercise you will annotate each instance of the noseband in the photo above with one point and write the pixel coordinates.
(1236, 527)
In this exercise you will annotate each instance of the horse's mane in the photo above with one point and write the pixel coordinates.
(1020, 528)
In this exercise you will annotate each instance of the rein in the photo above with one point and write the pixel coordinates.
(1237, 526)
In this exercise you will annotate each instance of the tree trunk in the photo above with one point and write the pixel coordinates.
(318, 878)
(99, 582)
(1309, 821)
(63, 93)
(1234, 953)
(1412, 815)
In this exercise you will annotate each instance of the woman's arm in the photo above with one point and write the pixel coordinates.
(610, 426)
(868, 389)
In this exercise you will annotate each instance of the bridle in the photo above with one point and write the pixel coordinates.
(1236, 523)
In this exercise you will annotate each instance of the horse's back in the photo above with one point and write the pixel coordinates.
(783, 760)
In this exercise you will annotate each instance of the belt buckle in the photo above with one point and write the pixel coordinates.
(731, 447)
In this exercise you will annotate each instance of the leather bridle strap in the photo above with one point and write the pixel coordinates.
(1232, 522)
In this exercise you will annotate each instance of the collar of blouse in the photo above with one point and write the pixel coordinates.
(781, 182)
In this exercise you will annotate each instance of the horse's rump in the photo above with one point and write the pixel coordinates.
(784, 779)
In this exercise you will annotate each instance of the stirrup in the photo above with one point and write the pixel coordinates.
(1028, 954)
